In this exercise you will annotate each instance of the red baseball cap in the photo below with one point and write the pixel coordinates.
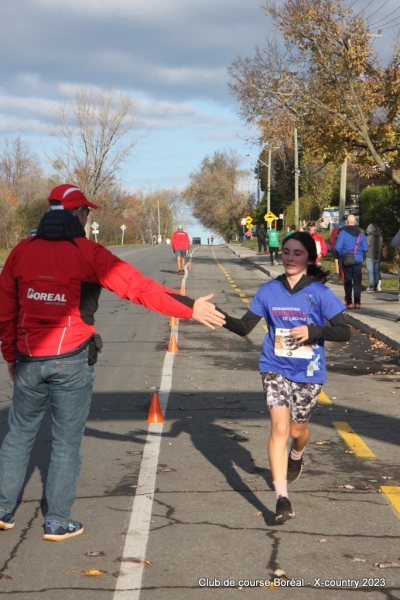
(70, 196)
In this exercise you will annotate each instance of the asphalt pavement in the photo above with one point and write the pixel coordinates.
(379, 310)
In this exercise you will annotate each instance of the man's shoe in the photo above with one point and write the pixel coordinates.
(283, 510)
(357, 305)
(349, 306)
(370, 289)
(294, 469)
(59, 533)
(7, 521)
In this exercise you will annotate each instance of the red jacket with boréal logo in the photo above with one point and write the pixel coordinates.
(50, 286)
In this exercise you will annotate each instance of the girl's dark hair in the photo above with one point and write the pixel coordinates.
(307, 241)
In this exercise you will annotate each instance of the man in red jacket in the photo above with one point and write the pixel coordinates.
(180, 245)
(49, 292)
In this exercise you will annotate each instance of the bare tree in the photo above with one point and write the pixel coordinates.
(96, 135)
(20, 170)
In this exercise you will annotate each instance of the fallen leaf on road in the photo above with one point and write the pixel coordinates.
(93, 572)
(355, 559)
(280, 573)
(386, 565)
(322, 442)
(95, 553)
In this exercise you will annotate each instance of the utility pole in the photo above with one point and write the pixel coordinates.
(269, 182)
(343, 185)
(296, 180)
(159, 239)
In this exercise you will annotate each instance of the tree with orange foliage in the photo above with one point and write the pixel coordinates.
(325, 80)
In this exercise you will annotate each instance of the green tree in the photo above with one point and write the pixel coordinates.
(214, 194)
(381, 205)
(28, 216)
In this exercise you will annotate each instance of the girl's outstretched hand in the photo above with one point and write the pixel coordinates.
(205, 312)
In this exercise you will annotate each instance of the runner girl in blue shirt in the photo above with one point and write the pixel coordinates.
(296, 307)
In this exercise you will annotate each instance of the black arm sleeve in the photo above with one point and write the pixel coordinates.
(338, 330)
(241, 326)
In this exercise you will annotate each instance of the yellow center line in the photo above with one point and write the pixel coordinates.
(323, 398)
(353, 441)
(392, 493)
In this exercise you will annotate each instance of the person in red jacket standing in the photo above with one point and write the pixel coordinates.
(49, 291)
(180, 245)
(322, 249)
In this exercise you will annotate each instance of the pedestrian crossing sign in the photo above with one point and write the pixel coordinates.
(270, 217)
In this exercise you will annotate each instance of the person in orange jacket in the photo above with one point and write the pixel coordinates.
(322, 249)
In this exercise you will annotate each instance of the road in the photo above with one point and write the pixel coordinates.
(174, 511)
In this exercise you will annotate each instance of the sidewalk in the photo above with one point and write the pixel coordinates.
(378, 310)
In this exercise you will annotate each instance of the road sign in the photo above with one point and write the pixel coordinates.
(243, 222)
(94, 225)
(249, 221)
(123, 227)
(270, 217)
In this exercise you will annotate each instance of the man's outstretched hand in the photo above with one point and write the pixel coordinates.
(205, 312)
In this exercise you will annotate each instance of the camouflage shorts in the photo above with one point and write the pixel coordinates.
(300, 398)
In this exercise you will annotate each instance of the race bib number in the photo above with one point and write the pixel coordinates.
(285, 346)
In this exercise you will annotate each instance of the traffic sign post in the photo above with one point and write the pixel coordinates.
(269, 217)
(123, 227)
(95, 230)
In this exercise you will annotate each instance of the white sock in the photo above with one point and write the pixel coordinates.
(280, 488)
(296, 455)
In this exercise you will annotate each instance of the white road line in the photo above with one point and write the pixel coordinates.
(129, 583)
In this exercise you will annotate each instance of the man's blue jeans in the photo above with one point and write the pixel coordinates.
(373, 271)
(67, 383)
(352, 277)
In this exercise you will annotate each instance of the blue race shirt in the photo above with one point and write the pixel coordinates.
(282, 311)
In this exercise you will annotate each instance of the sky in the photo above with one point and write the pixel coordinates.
(170, 56)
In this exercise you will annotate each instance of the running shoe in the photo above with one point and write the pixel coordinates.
(7, 521)
(54, 532)
(284, 510)
(294, 469)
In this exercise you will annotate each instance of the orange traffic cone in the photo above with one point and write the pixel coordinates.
(190, 265)
(172, 346)
(155, 414)
(182, 290)
(173, 322)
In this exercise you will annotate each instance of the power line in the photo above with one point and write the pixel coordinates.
(384, 18)
(393, 23)
(364, 9)
(377, 10)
